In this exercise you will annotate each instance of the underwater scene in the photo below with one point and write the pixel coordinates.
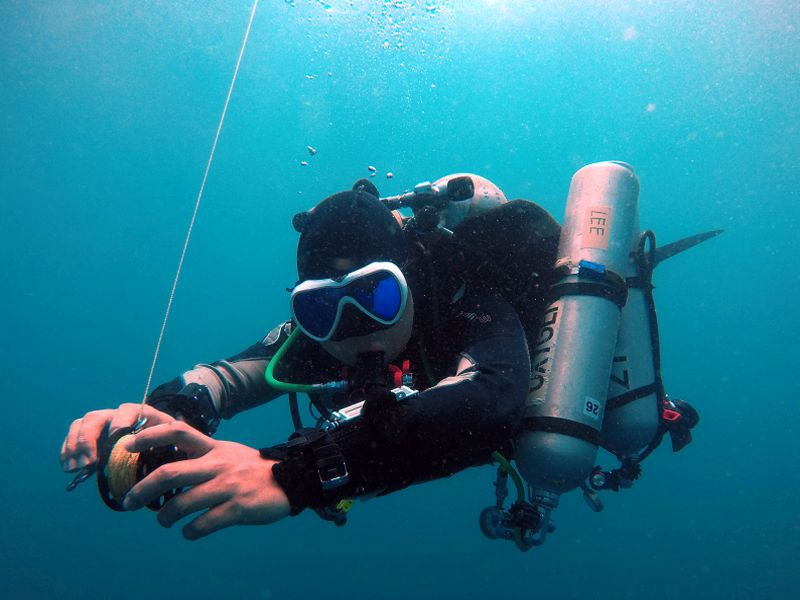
(126, 126)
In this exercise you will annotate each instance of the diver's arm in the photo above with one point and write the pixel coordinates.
(200, 397)
(461, 420)
(209, 392)
(446, 428)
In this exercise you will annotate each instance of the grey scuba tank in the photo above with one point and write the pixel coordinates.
(572, 356)
(632, 413)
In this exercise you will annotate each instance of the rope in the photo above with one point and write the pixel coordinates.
(122, 466)
(196, 208)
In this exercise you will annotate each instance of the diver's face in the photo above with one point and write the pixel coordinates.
(390, 341)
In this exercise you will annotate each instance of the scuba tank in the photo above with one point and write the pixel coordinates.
(484, 197)
(632, 424)
(598, 339)
(638, 411)
(632, 410)
(572, 357)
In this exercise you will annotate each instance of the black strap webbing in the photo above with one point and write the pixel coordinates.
(563, 426)
(639, 283)
(295, 411)
(606, 284)
(629, 396)
(617, 294)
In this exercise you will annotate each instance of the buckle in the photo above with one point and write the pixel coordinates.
(317, 451)
(334, 474)
(404, 392)
(331, 466)
(592, 270)
(671, 416)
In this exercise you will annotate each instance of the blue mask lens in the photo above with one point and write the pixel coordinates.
(379, 295)
(316, 310)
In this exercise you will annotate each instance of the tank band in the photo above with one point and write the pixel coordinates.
(563, 426)
(629, 396)
(589, 288)
(603, 284)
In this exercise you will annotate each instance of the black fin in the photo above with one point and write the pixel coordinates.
(673, 248)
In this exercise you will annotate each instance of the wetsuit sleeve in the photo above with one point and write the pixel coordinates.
(219, 390)
(453, 425)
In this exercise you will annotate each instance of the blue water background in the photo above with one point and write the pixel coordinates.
(107, 113)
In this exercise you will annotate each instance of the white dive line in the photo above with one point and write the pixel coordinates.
(196, 207)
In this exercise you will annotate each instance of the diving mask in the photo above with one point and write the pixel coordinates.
(378, 291)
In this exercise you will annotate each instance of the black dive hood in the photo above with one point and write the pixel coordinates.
(352, 225)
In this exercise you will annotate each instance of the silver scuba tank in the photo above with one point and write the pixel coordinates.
(572, 357)
(632, 414)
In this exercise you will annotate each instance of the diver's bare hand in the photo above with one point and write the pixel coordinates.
(229, 481)
(80, 446)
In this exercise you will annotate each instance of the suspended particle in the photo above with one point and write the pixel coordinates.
(303, 163)
(389, 175)
(371, 168)
(630, 34)
(311, 150)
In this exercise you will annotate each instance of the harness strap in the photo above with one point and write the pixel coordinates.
(639, 283)
(293, 408)
(563, 426)
(629, 396)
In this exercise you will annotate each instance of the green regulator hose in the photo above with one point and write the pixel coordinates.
(283, 386)
(512, 472)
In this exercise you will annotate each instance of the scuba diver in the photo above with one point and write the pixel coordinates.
(376, 310)
(424, 344)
